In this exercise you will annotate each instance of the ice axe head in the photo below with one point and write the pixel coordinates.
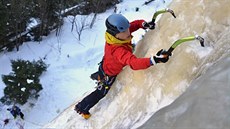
(171, 11)
(200, 39)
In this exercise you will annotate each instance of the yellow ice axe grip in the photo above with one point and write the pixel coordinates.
(182, 40)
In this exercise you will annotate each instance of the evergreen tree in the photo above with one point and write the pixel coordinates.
(3, 22)
(23, 82)
(16, 15)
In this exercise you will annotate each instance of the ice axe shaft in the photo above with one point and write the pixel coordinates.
(182, 40)
(162, 11)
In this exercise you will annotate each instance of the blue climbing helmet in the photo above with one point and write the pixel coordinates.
(116, 23)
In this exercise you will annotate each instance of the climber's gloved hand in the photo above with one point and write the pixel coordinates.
(149, 25)
(162, 56)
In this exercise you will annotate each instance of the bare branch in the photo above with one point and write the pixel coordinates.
(81, 25)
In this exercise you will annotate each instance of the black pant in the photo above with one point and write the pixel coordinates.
(21, 115)
(89, 101)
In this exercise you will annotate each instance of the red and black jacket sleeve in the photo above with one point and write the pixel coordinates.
(126, 57)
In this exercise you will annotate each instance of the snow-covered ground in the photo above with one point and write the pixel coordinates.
(70, 62)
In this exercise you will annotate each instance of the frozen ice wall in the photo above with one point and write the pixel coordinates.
(136, 95)
(204, 105)
(206, 102)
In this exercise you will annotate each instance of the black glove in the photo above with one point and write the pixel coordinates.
(149, 25)
(162, 56)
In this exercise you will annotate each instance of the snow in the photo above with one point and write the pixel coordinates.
(23, 89)
(29, 81)
(33, 22)
(70, 62)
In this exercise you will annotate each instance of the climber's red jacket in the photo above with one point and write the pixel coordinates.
(118, 53)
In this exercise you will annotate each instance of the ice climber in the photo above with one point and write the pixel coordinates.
(15, 111)
(117, 54)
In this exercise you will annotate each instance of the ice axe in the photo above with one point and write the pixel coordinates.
(179, 41)
(182, 40)
(162, 11)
